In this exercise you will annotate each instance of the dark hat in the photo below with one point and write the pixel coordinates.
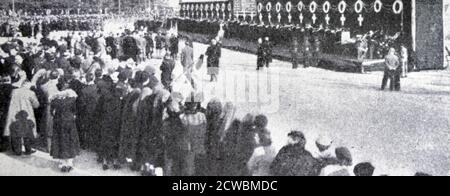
(76, 63)
(364, 169)
(141, 77)
(344, 155)
(422, 174)
(261, 121)
(123, 75)
(54, 74)
(265, 139)
(62, 49)
(50, 56)
(78, 52)
(296, 135)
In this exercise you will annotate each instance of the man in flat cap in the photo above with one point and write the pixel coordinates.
(294, 159)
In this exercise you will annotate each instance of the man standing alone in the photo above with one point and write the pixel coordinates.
(391, 64)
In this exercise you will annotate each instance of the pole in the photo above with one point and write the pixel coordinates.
(120, 7)
(13, 6)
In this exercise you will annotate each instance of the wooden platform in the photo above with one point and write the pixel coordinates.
(325, 61)
(339, 63)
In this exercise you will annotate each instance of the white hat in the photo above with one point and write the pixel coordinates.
(324, 140)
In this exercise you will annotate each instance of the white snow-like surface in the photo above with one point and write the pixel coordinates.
(399, 132)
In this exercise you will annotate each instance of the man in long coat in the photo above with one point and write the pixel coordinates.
(25, 101)
(109, 115)
(214, 52)
(5, 97)
(294, 159)
(260, 62)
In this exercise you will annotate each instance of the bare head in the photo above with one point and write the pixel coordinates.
(392, 51)
(260, 41)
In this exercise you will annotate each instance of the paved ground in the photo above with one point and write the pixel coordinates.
(400, 132)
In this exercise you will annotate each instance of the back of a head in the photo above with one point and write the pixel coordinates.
(364, 169)
(98, 73)
(54, 75)
(344, 156)
(261, 121)
(298, 137)
(214, 107)
(6, 79)
(90, 77)
(422, 174)
(248, 119)
(123, 76)
(63, 82)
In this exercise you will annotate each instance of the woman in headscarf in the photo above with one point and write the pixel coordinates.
(214, 122)
(176, 140)
(129, 129)
(246, 144)
(109, 113)
(65, 141)
(264, 154)
(150, 112)
(230, 151)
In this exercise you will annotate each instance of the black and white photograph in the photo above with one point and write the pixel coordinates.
(224, 88)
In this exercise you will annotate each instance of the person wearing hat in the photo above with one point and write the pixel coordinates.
(65, 144)
(195, 127)
(260, 63)
(263, 156)
(76, 61)
(214, 121)
(364, 169)
(342, 165)
(5, 98)
(153, 80)
(392, 63)
(87, 102)
(245, 145)
(18, 76)
(12, 51)
(323, 148)
(294, 159)
(50, 61)
(49, 89)
(167, 67)
(267, 45)
(175, 137)
(159, 44)
(187, 57)
(150, 45)
(130, 47)
(109, 115)
(214, 52)
(173, 40)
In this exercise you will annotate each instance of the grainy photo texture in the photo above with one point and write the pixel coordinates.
(224, 88)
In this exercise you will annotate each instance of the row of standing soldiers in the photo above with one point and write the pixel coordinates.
(33, 26)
